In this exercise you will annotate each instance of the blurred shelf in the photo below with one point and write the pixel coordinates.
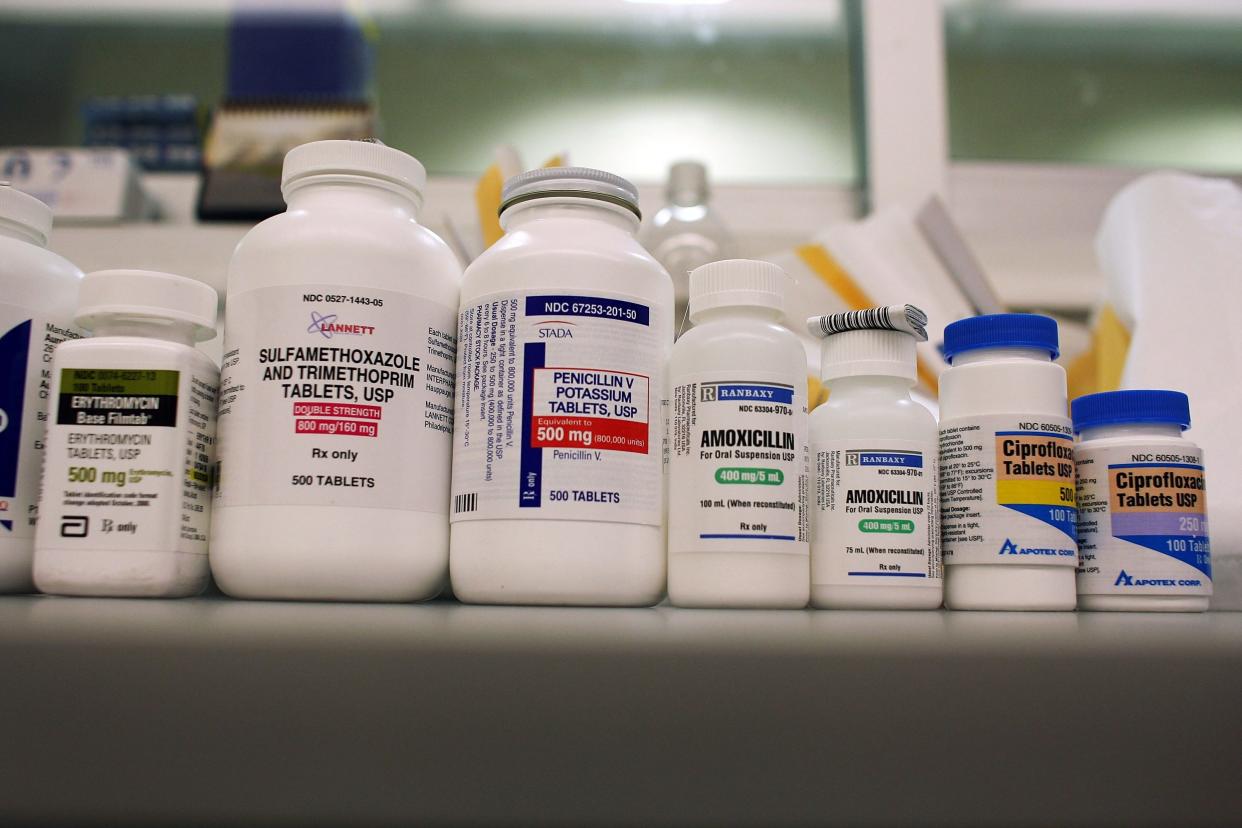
(211, 710)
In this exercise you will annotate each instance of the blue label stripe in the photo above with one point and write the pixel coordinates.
(14, 356)
(734, 391)
(892, 574)
(748, 537)
(905, 459)
(1034, 434)
(597, 307)
(530, 475)
(1157, 466)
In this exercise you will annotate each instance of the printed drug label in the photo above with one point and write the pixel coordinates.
(560, 409)
(1143, 525)
(877, 513)
(1007, 491)
(739, 443)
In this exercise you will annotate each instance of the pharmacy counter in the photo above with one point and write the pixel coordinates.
(212, 711)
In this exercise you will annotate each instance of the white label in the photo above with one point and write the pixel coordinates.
(336, 397)
(877, 513)
(1007, 490)
(1142, 521)
(129, 460)
(560, 408)
(26, 346)
(739, 473)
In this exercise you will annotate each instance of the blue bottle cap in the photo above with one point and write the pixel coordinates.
(1001, 330)
(1119, 407)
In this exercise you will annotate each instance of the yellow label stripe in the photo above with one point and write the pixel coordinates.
(1035, 492)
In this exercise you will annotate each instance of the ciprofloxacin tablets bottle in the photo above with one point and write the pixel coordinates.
(1008, 516)
(1142, 516)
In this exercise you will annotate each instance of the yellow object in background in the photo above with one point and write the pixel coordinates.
(487, 193)
(1101, 366)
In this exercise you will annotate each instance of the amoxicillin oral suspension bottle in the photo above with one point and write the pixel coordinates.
(564, 338)
(1008, 516)
(336, 402)
(738, 481)
(1142, 508)
(127, 477)
(38, 297)
(876, 527)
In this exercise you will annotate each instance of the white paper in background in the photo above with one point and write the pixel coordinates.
(1170, 246)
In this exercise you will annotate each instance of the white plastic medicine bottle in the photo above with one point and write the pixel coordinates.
(563, 341)
(1008, 517)
(1142, 510)
(127, 477)
(876, 526)
(737, 525)
(38, 296)
(336, 402)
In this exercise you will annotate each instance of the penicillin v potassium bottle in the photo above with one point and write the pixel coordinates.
(876, 526)
(1142, 521)
(1008, 516)
(38, 297)
(738, 471)
(127, 477)
(563, 344)
(336, 402)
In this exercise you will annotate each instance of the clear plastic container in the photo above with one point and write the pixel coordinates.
(738, 436)
(1142, 519)
(38, 297)
(564, 338)
(337, 388)
(1006, 467)
(127, 480)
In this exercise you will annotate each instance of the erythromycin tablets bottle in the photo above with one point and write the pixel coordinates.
(127, 478)
(876, 525)
(1142, 508)
(1006, 467)
(38, 297)
(737, 524)
(336, 402)
(563, 345)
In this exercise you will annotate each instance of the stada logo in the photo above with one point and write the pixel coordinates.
(327, 326)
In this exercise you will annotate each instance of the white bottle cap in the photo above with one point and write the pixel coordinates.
(147, 294)
(736, 282)
(868, 353)
(365, 158)
(26, 211)
(687, 183)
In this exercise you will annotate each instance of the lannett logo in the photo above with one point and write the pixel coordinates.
(326, 326)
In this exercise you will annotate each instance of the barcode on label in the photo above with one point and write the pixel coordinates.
(465, 503)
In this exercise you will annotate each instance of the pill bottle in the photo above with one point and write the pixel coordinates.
(336, 403)
(126, 497)
(1006, 467)
(737, 525)
(876, 514)
(1142, 521)
(564, 338)
(38, 297)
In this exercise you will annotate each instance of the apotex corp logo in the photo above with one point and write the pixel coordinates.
(328, 326)
(1125, 579)
(1011, 548)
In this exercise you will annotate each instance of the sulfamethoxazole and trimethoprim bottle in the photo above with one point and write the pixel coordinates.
(563, 344)
(1008, 513)
(336, 403)
(738, 476)
(127, 478)
(876, 526)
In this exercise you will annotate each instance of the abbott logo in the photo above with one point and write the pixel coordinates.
(75, 526)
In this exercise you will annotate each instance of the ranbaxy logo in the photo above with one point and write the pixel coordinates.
(327, 326)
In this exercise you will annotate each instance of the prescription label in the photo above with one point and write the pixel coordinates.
(1143, 525)
(336, 397)
(877, 513)
(1007, 490)
(129, 460)
(739, 463)
(26, 346)
(560, 408)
